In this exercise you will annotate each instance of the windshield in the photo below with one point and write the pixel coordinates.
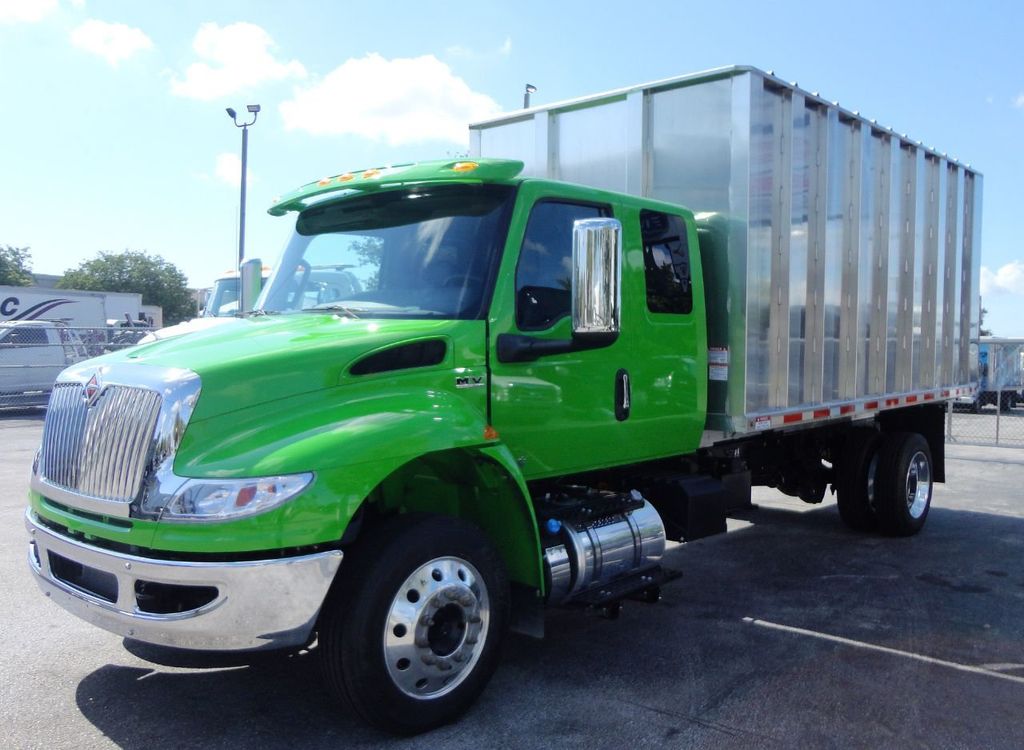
(429, 252)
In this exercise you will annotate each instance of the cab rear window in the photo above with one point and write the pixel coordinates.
(666, 263)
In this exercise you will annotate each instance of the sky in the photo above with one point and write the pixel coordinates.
(114, 136)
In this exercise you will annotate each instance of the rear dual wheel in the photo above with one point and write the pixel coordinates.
(904, 492)
(884, 482)
(857, 473)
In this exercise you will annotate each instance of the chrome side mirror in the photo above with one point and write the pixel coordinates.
(250, 279)
(596, 278)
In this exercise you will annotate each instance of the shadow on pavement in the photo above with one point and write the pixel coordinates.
(269, 703)
(693, 670)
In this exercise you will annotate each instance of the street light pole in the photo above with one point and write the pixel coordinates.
(530, 89)
(254, 110)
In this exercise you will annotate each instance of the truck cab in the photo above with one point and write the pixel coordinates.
(224, 295)
(434, 343)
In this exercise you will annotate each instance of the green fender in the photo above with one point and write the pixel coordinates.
(482, 484)
(529, 553)
(402, 443)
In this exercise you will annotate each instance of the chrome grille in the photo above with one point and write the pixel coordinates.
(98, 451)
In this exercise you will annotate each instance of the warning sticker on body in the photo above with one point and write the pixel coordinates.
(718, 372)
(763, 423)
(718, 355)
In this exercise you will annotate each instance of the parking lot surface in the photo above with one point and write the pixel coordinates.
(790, 631)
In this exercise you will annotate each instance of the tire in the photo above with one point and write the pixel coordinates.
(856, 478)
(411, 634)
(904, 492)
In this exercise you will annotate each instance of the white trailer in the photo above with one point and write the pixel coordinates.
(78, 308)
(81, 309)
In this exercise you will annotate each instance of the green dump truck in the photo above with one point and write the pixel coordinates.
(468, 394)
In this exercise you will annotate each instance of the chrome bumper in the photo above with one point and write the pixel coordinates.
(260, 604)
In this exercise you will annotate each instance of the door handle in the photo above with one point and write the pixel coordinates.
(622, 395)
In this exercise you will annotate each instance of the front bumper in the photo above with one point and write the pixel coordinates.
(227, 606)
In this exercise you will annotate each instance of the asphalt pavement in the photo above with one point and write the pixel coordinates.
(789, 631)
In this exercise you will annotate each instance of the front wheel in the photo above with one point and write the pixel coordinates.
(411, 634)
(904, 492)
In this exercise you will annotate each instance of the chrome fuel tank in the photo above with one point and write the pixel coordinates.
(603, 550)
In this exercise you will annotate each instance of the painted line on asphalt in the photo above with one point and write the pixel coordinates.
(882, 649)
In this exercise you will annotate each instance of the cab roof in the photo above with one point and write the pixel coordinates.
(464, 171)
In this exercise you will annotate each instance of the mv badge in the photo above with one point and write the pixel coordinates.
(92, 390)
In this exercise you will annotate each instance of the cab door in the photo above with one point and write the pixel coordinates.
(561, 412)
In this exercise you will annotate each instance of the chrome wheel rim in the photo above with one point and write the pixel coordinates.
(436, 628)
(918, 485)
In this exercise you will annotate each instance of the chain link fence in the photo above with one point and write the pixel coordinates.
(1001, 423)
(33, 352)
(995, 415)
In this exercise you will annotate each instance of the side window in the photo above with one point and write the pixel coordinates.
(544, 273)
(666, 263)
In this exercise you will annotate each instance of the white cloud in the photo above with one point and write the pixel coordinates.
(1008, 279)
(235, 57)
(113, 42)
(229, 170)
(456, 50)
(468, 53)
(1019, 101)
(27, 11)
(404, 100)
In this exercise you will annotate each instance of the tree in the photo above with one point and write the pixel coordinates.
(15, 266)
(158, 281)
(982, 331)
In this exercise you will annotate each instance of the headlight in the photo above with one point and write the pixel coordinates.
(227, 499)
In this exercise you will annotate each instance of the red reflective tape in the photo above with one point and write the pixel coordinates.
(790, 418)
(820, 413)
(945, 394)
(871, 405)
(892, 402)
(929, 397)
(911, 399)
(846, 409)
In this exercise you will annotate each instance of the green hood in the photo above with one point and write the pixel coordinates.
(255, 360)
